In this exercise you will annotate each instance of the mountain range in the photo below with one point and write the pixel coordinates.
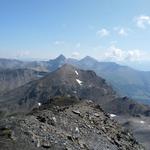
(125, 80)
(72, 82)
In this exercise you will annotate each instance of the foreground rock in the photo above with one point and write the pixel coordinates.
(65, 124)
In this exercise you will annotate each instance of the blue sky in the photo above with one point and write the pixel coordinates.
(109, 30)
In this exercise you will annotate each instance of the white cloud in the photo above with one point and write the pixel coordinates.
(114, 53)
(103, 32)
(75, 54)
(123, 32)
(134, 55)
(59, 43)
(23, 53)
(117, 54)
(142, 21)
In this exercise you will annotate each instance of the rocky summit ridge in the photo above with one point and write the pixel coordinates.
(64, 123)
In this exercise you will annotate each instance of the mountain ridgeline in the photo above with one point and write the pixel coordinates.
(70, 82)
(125, 80)
(65, 123)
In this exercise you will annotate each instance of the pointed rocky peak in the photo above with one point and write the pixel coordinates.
(72, 74)
(56, 63)
(60, 58)
(68, 71)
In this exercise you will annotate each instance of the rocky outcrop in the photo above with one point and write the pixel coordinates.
(65, 124)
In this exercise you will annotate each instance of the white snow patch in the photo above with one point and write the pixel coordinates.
(89, 101)
(142, 122)
(112, 115)
(79, 81)
(39, 104)
(40, 76)
(77, 129)
(54, 119)
(75, 92)
(96, 115)
(76, 72)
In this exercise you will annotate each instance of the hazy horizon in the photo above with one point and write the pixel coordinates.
(133, 66)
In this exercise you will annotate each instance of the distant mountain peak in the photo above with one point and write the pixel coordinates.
(60, 57)
(89, 58)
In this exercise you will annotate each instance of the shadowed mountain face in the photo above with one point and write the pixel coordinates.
(65, 123)
(65, 81)
(11, 79)
(71, 82)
